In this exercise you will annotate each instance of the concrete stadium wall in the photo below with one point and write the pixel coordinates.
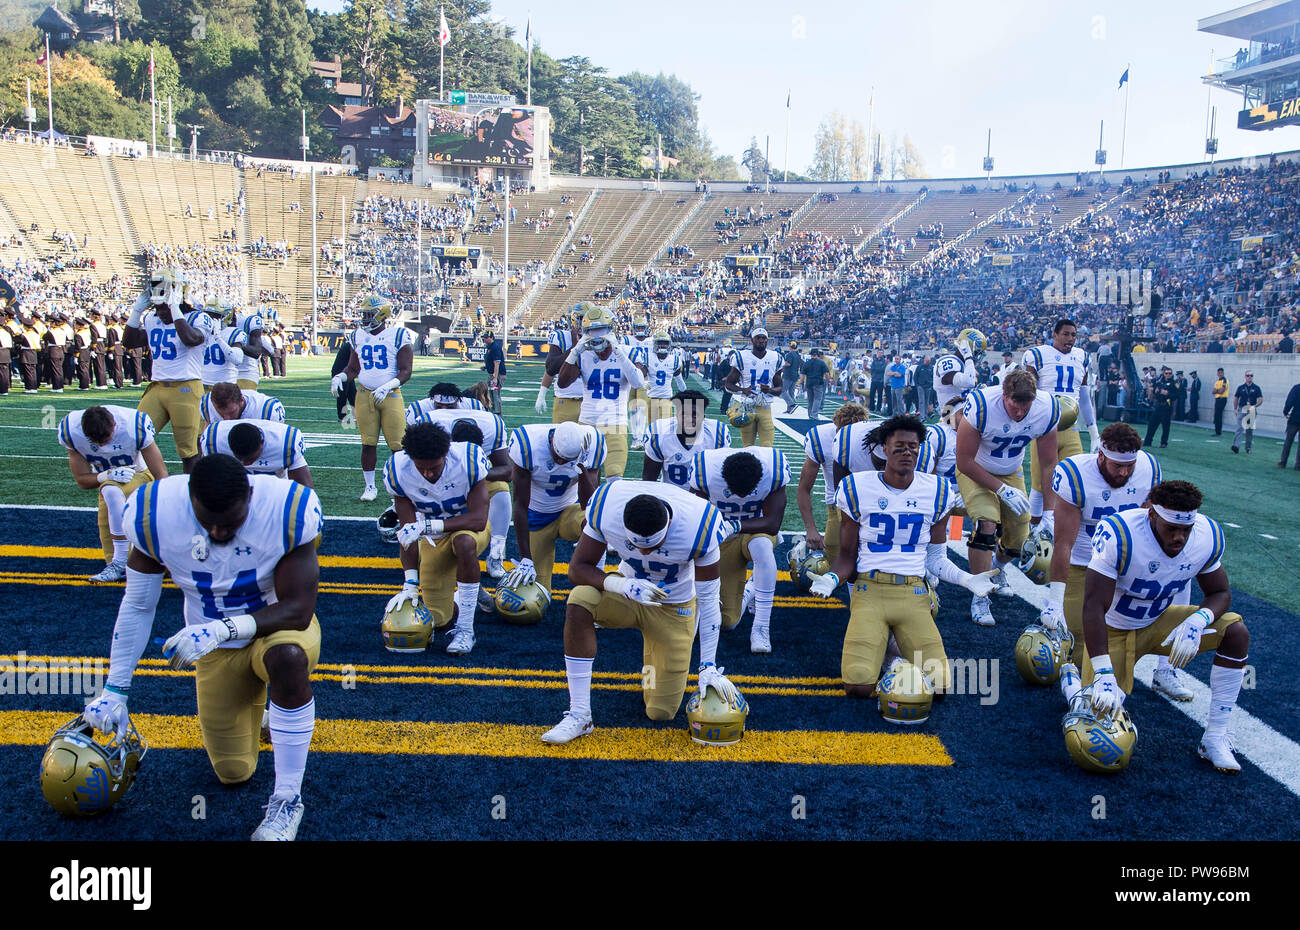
(1275, 374)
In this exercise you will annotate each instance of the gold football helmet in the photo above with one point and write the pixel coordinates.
(595, 316)
(388, 524)
(1069, 411)
(715, 721)
(741, 411)
(523, 605)
(805, 564)
(409, 628)
(663, 343)
(640, 324)
(375, 311)
(973, 340)
(1036, 558)
(1040, 655)
(82, 776)
(904, 694)
(1098, 744)
(161, 283)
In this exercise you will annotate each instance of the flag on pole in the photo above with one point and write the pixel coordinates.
(43, 57)
(1123, 79)
(444, 34)
(528, 34)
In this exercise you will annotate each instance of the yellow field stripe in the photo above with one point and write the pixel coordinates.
(386, 737)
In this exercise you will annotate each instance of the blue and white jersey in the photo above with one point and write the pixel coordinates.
(250, 324)
(283, 449)
(606, 390)
(222, 580)
(377, 353)
(695, 531)
(218, 364)
(133, 432)
(257, 406)
(490, 425)
(1147, 581)
(639, 349)
(662, 444)
(706, 477)
(553, 487)
(938, 455)
(562, 339)
(1078, 481)
(1060, 373)
(660, 373)
(894, 525)
(852, 451)
(173, 360)
(464, 467)
(1002, 439)
(757, 372)
(819, 447)
(950, 365)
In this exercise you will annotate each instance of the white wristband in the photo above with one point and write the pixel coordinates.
(242, 626)
(616, 584)
(1101, 665)
(411, 576)
(574, 354)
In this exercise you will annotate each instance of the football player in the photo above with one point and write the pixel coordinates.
(255, 350)
(668, 540)
(938, 456)
(439, 489)
(893, 532)
(997, 424)
(674, 441)
(1143, 560)
(242, 550)
(818, 450)
(955, 374)
(664, 375)
(444, 396)
(380, 363)
(748, 486)
(228, 401)
(639, 345)
(263, 447)
(556, 470)
(608, 375)
(223, 353)
(568, 399)
(1062, 370)
(493, 440)
(1090, 487)
(175, 342)
(756, 375)
(107, 447)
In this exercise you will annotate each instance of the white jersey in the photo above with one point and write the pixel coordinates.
(706, 477)
(227, 579)
(562, 339)
(553, 487)
(1124, 547)
(1058, 372)
(377, 353)
(819, 446)
(1078, 481)
(282, 445)
(1002, 439)
(696, 529)
(852, 451)
(662, 444)
(490, 425)
(606, 390)
(895, 525)
(950, 365)
(257, 406)
(173, 360)
(757, 372)
(218, 365)
(639, 349)
(660, 374)
(938, 455)
(250, 369)
(464, 467)
(133, 432)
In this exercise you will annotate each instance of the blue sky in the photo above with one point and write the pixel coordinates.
(1042, 75)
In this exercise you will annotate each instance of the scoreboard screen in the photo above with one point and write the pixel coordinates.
(496, 136)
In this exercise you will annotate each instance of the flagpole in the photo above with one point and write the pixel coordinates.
(786, 176)
(528, 41)
(1123, 138)
(441, 43)
(153, 109)
(315, 258)
(505, 291)
(49, 87)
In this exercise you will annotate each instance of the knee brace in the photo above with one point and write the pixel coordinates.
(988, 542)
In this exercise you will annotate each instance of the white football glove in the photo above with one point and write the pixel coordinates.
(107, 712)
(121, 475)
(409, 533)
(137, 310)
(1106, 695)
(1186, 638)
(963, 349)
(523, 573)
(194, 642)
(540, 406)
(410, 592)
(711, 677)
(1052, 618)
(1014, 498)
(980, 585)
(381, 393)
(635, 589)
(825, 585)
(337, 382)
(236, 355)
(1094, 437)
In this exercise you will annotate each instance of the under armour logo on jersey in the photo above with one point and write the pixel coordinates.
(1185, 567)
(911, 503)
(199, 548)
(243, 550)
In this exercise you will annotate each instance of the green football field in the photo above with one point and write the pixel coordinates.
(1250, 496)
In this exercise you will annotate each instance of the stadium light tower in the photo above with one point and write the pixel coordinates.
(195, 129)
(988, 158)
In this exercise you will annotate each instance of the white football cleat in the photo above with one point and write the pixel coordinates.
(485, 601)
(496, 559)
(462, 642)
(747, 599)
(1165, 681)
(1001, 584)
(980, 613)
(568, 729)
(283, 815)
(1217, 750)
(760, 639)
(369, 494)
(113, 571)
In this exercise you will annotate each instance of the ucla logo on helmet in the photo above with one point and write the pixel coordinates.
(511, 599)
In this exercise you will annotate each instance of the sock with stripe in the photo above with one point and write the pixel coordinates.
(1225, 685)
(291, 732)
(578, 671)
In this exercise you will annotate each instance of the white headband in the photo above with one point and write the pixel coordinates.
(1118, 456)
(648, 542)
(445, 399)
(1179, 517)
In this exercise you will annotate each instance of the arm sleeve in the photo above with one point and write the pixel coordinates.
(629, 369)
(709, 609)
(1087, 415)
(135, 616)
